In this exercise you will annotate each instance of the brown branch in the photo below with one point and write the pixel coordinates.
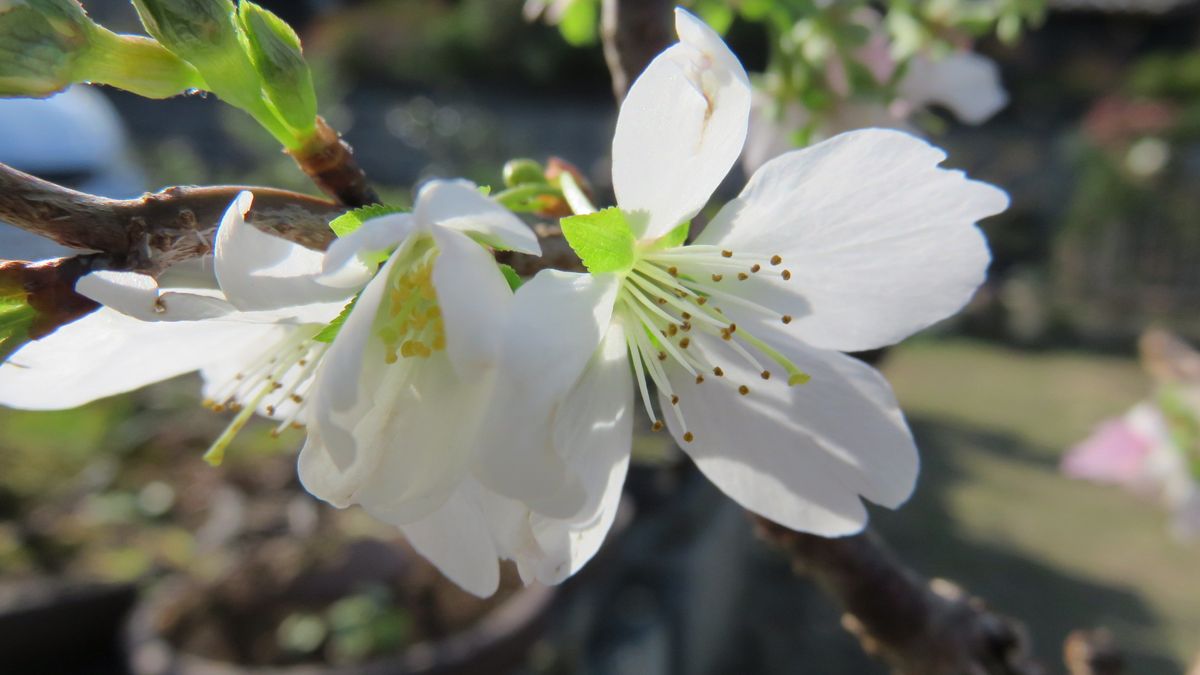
(915, 626)
(329, 162)
(157, 230)
(634, 32)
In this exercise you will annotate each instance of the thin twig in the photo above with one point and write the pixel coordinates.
(915, 626)
(153, 232)
(330, 163)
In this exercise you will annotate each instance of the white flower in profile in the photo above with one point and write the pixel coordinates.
(248, 324)
(964, 82)
(849, 245)
(399, 405)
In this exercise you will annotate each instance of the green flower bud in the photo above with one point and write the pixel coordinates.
(523, 171)
(40, 43)
(196, 30)
(205, 34)
(274, 49)
(48, 45)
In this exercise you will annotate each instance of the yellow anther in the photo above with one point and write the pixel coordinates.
(743, 390)
(689, 437)
(787, 319)
(787, 274)
(775, 260)
(726, 254)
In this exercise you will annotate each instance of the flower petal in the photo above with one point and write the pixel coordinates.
(342, 392)
(474, 299)
(259, 271)
(457, 540)
(107, 353)
(798, 455)
(680, 129)
(879, 242)
(593, 431)
(138, 296)
(458, 205)
(965, 82)
(344, 267)
(557, 321)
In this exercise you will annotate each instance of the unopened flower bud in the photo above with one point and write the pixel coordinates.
(523, 171)
(274, 49)
(40, 43)
(205, 34)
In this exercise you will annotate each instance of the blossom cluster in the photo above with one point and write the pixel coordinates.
(493, 424)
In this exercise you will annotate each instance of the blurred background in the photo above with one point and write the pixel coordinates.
(120, 550)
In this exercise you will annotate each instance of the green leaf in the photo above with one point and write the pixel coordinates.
(674, 238)
(328, 333)
(16, 320)
(580, 23)
(274, 49)
(510, 275)
(352, 220)
(603, 240)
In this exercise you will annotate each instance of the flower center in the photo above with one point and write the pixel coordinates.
(277, 378)
(670, 297)
(410, 321)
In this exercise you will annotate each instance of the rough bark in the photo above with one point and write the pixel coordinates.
(153, 232)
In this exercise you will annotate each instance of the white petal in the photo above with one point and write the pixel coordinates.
(680, 129)
(457, 540)
(879, 241)
(965, 82)
(800, 456)
(138, 296)
(557, 321)
(107, 353)
(396, 438)
(259, 271)
(593, 431)
(345, 384)
(474, 299)
(343, 266)
(458, 205)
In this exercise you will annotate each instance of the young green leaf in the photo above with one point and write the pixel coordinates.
(674, 238)
(352, 220)
(510, 275)
(328, 333)
(16, 320)
(580, 23)
(603, 240)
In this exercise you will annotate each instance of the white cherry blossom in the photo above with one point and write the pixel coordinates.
(849, 245)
